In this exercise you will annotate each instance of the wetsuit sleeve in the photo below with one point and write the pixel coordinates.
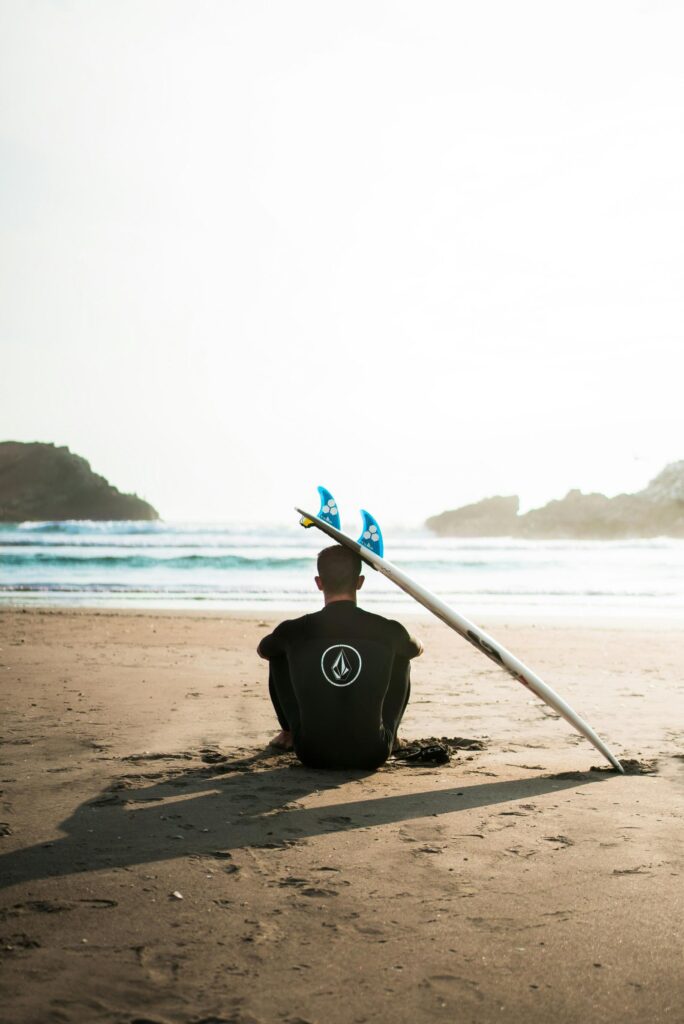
(408, 646)
(273, 644)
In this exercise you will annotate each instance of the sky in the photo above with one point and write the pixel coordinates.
(418, 252)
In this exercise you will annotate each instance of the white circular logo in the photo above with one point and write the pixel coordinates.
(341, 664)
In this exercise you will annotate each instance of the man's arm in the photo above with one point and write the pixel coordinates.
(415, 646)
(266, 648)
(272, 645)
(409, 645)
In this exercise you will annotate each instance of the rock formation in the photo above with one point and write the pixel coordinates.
(42, 482)
(656, 511)
(491, 517)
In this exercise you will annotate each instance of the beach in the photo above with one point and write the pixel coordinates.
(158, 863)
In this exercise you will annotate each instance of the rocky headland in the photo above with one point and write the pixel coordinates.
(656, 511)
(43, 482)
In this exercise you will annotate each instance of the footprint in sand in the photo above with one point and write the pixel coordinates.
(54, 907)
(108, 799)
(451, 986)
(225, 859)
(159, 967)
(306, 888)
(262, 931)
(642, 869)
(18, 942)
(281, 844)
(562, 841)
(314, 890)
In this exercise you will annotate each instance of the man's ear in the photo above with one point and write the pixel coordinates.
(319, 582)
(360, 583)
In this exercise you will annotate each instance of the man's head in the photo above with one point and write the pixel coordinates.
(339, 573)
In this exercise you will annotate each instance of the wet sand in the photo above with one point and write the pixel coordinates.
(158, 864)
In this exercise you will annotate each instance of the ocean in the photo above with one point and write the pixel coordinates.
(233, 566)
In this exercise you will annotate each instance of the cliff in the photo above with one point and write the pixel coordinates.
(656, 511)
(42, 482)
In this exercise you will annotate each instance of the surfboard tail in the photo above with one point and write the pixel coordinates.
(329, 511)
(371, 534)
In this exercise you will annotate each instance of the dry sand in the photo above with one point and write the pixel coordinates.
(513, 884)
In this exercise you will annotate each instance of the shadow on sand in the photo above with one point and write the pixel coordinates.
(166, 814)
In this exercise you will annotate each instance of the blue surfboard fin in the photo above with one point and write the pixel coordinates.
(371, 535)
(329, 512)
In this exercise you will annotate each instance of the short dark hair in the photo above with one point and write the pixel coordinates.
(339, 568)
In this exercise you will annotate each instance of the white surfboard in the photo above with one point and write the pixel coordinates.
(468, 630)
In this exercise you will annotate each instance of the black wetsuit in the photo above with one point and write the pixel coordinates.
(339, 681)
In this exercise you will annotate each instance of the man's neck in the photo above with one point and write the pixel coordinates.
(334, 598)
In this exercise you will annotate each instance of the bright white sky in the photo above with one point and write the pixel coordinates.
(418, 252)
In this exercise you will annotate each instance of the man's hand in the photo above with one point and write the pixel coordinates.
(418, 646)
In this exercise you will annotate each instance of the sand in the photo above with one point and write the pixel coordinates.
(158, 865)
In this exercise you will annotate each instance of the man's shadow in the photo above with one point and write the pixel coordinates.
(230, 806)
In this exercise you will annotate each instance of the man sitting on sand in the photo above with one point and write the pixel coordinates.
(339, 679)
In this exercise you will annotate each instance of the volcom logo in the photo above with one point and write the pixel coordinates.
(340, 667)
(341, 664)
